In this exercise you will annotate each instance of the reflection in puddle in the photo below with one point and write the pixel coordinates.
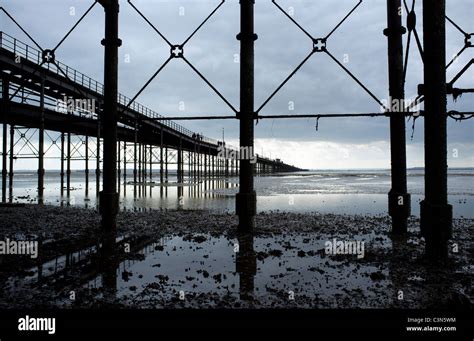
(272, 269)
(244, 268)
(344, 191)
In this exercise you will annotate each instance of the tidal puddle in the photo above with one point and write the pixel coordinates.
(180, 268)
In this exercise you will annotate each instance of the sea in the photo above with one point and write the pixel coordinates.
(352, 191)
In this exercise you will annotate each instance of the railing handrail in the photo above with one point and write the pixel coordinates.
(34, 55)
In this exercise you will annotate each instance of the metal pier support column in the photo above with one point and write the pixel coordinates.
(4, 161)
(180, 163)
(109, 198)
(199, 162)
(213, 166)
(41, 145)
(399, 201)
(151, 163)
(68, 166)
(203, 164)
(87, 164)
(5, 109)
(144, 163)
(151, 170)
(435, 212)
(124, 167)
(166, 164)
(194, 162)
(135, 153)
(189, 165)
(161, 157)
(246, 199)
(97, 166)
(10, 174)
(62, 165)
(119, 165)
(140, 162)
(198, 165)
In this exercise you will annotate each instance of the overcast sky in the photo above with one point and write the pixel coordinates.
(320, 86)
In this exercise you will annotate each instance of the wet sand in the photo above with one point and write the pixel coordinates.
(196, 259)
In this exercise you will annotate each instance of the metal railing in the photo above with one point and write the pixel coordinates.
(34, 55)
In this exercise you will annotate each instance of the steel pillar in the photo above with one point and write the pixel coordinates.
(68, 166)
(97, 166)
(199, 164)
(436, 213)
(4, 161)
(41, 144)
(5, 110)
(399, 203)
(140, 161)
(10, 174)
(161, 156)
(151, 163)
(189, 166)
(246, 199)
(87, 165)
(194, 162)
(62, 165)
(180, 163)
(213, 166)
(166, 163)
(124, 166)
(144, 162)
(135, 154)
(109, 198)
(119, 165)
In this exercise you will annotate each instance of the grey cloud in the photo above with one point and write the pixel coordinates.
(319, 87)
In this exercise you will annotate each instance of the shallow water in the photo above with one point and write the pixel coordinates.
(262, 268)
(347, 192)
(213, 267)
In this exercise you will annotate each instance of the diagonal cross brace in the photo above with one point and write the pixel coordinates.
(48, 55)
(177, 52)
(319, 45)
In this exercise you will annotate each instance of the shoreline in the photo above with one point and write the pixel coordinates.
(287, 252)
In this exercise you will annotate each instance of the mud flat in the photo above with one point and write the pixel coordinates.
(196, 259)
